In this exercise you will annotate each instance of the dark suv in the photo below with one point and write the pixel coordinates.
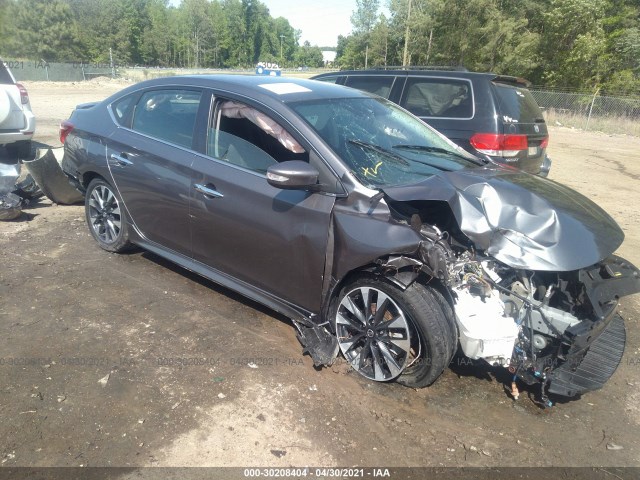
(487, 114)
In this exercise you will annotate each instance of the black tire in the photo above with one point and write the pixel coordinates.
(412, 316)
(106, 216)
(21, 150)
(441, 297)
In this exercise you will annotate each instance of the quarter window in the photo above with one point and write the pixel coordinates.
(168, 115)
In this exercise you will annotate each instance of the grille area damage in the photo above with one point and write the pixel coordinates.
(530, 274)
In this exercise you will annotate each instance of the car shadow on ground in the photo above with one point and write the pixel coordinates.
(9, 159)
(210, 284)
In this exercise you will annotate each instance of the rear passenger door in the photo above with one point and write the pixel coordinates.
(150, 161)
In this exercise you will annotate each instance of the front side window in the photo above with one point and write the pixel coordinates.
(379, 142)
(248, 138)
(438, 97)
(168, 115)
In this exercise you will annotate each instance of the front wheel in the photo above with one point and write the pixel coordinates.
(389, 334)
(106, 217)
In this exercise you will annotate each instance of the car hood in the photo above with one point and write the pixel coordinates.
(519, 219)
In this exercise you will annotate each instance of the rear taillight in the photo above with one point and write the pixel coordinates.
(544, 143)
(24, 96)
(499, 145)
(65, 129)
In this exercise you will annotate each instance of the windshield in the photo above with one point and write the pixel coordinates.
(382, 144)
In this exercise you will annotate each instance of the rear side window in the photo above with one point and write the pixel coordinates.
(5, 76)
(438, 97)
(517, 105)
(380, 85)
(168, 115)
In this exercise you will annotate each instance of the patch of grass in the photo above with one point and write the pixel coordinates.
(607, 124)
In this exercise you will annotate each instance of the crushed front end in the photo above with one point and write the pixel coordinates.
(556, 329)
(530, 271)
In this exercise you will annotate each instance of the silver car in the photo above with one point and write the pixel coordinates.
(17, 121)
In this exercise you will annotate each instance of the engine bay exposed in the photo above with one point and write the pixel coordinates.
(539, 325)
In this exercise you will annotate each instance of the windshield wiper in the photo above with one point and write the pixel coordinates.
(425, 148)
(380, 150)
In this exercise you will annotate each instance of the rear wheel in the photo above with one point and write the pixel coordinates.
(386, 333)
(106, 217)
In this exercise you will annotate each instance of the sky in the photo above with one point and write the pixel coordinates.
(321, 21)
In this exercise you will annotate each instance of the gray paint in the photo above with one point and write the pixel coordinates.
(522, 220)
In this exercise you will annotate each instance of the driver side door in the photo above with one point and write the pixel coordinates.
(272, 239)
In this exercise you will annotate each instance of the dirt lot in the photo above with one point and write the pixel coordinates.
(126, 360)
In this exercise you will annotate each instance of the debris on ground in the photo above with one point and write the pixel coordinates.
(10, 206)
(9, 174)
(279, 453)
(613, 446)
(103, 381)
(27, 188)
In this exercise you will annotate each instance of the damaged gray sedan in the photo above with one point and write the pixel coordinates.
(377, 236)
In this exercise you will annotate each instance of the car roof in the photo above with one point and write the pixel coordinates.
(506, 79)
(280, 89)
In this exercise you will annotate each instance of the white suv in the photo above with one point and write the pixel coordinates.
(17, 122)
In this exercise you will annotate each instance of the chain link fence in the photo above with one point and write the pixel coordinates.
(590, 111)
(34, 70)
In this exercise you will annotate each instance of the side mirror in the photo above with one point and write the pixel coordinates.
(293, 175)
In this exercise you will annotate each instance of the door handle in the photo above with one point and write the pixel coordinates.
(120, 160)
(208, 191)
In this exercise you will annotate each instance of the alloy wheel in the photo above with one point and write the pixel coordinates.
(374, 334)
(104, 214)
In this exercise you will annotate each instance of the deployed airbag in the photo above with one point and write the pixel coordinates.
(231, 109)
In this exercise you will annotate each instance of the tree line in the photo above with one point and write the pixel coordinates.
(196, 34)
(578, 44)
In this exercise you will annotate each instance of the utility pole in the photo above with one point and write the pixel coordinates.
(281, 38)
(429, 47)
(113, 69)
(405, 57)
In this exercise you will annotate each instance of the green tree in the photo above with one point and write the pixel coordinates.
(573, 42)
(41, 29)
(365, 16)
(355, 49)
(309, 56)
